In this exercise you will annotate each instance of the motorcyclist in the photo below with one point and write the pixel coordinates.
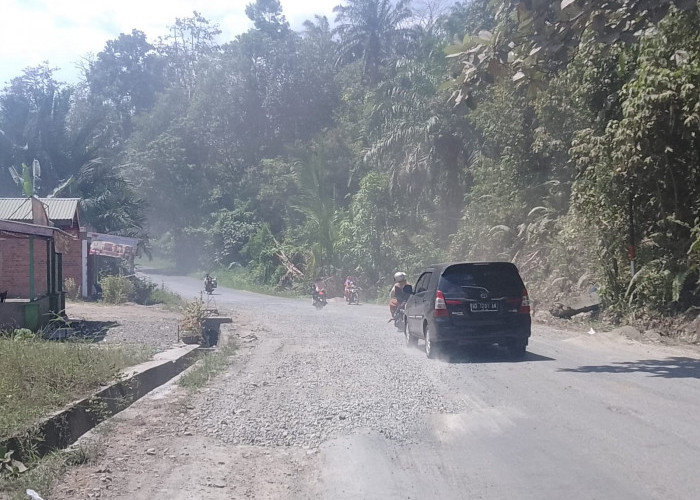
(348, 286)
(208, 283)
(316, 288)
(396, 295)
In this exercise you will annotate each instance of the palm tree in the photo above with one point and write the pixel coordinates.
(109, 203)
(317, 205)
(371, 30)
(420, 141)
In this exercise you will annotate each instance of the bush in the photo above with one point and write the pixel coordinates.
(18, 334)
(116, 289)
(169, 299)
(142, 291)
(194, 315)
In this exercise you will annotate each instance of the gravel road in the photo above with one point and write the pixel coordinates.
(331, 404)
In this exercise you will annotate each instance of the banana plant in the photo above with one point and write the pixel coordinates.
(29, 180)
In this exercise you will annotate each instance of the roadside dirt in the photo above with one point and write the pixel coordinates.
(151, 326)
(153, 450)
(149, 452)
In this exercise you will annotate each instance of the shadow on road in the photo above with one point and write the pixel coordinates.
(94, 331)
(674, 367)
(490, 354)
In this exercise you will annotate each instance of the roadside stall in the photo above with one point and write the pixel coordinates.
(31, 274)
(104, 249)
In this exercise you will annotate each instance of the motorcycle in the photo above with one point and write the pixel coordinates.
(320, 299)
(209, 285)
(354, 295)
(399, 315)
(400, 312)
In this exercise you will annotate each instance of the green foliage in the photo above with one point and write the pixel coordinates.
(165, 297)
(648, 160)
(116, 289)
(193, 318)
(372, 30)
(45, 472)
(35, 109)
(18, 334)
(8, 465)
(208, 366)
(40, 376)
(261, 252)
(531, 40)
(229, 233)
(142, 291)
(365, 234)
(319, 210)
(120, 289)
(339, 151)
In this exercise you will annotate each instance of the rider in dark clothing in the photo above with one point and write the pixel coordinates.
(397, 296)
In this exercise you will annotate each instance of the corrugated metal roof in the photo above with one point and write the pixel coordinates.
(20, 209)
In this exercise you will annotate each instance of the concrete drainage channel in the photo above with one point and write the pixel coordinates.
(65, 427)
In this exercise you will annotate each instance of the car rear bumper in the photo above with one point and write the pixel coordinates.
(502, 332)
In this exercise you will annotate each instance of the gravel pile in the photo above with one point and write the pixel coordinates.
(344, 372)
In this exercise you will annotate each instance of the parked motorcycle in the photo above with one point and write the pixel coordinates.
(320, 299)
(209, 284)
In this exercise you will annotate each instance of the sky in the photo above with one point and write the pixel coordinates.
(63, 32)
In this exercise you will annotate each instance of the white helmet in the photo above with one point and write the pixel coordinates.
(399, 276)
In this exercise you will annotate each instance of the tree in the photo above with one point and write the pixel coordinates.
(470, 16)
(190, 41)
(371, 31)
(317, 205)
(268, 18)
(647, 160)
(33, 112)
(124, 78)
(537, 37)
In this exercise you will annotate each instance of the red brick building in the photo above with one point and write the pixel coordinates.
(61, 213)
(46, 299)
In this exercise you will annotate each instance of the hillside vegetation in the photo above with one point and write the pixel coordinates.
(556, 135)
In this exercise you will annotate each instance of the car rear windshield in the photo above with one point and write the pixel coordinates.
(469, 280)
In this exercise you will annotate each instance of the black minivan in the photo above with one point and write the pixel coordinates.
(465, 303)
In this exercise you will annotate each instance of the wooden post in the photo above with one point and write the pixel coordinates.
(631, 235)
(49, 269)
(31, 268)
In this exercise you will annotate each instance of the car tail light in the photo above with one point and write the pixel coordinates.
(440, 306)
(524, 303)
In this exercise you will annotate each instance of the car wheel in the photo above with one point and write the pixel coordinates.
(517, 349)
(411, 341)
(431, 347)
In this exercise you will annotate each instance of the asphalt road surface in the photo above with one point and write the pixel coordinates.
(342, 409)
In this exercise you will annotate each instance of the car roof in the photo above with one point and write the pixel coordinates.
(442, 266)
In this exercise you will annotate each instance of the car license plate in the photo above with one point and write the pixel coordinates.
(483, 306)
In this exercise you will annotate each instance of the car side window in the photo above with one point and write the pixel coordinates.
(422, 283)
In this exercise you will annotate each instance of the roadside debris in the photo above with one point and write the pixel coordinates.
(589, 302)
(33, 495)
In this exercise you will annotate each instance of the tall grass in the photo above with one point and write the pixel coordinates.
(37, 377)
(167, 299)
(207, 367)
(45, 472)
